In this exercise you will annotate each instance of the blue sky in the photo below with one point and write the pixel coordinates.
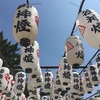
(56, 19)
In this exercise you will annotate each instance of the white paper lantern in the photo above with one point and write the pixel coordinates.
(57, 82)
(30, 57)
(97, 64)
(37, 80)
(88, 25)
(92, 71)
(1, 63)
(48, 82)
(74, 50)
(20, 82)
(3, 97)
(11, 94)
(81, 88)
(4, 77)
(65, 72)
(25, 24)
(30, 86)
(75, 83)
(34, 93)
(86, 82)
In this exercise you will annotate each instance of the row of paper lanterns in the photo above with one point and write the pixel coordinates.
(25, 29)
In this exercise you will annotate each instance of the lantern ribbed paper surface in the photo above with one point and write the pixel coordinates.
(74, 50)
(88, 25)
(92, 71)
(20, 82)
(86, 82)
(30, 57)
(48, 81)
(65, 72)
(25, 24)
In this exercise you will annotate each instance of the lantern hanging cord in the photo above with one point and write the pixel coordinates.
(92, 95)
(80, 8)
(89, 61)
(27, 1)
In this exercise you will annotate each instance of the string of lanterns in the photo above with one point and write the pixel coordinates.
(25, 31)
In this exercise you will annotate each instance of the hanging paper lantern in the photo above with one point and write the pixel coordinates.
(57, 87)
(86, 82)
(1, 63)
(25, 24)
(10, 95)
(65, 72)
(81, 88)
(4, 77)
(57, 82)
(30, 87)
(30, 57)
(37, 80)
(92, 71)
(88, 25)
(20, 82)
(75, 83)
(35, 93)
(48, 82)
(74, 51)
(3, 97)
(97, 64)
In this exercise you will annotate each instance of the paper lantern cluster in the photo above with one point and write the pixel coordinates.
(25, 30)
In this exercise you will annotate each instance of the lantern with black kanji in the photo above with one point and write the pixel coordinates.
(8, 89)
(88, 23)
(87, 85)
(4, 77)
(30, 86)
(25, 24)
(74, 51)
(65, 72)
(34, 93)
(75, 83)
(20, 82)
(48, 82)
(37, 80)
(30, 57)
(3, 97)
(81, 88)
(12, 90)
(97, 64)
(92, 71)
(57, 82)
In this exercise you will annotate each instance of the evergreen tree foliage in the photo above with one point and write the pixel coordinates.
(9, 53)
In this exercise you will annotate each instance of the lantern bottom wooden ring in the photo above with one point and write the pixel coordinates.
(96, 85)
(65, 83)
(76, 66)
(25, 42)
(28, 70)
(89, 92)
